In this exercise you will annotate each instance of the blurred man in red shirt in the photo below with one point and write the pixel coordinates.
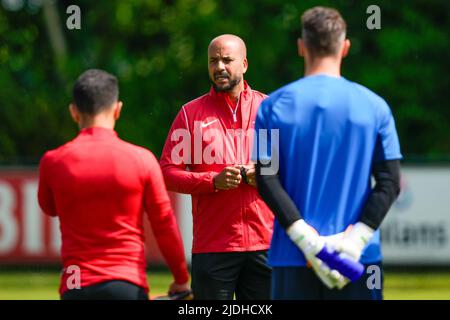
(207, 154)
(99, 186)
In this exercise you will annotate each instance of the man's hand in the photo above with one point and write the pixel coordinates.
(228, 178)
(305, 237)
(334, 239)
(310, 242)
(331, 278)
(180, 291)
(250, 174)
(354, 240)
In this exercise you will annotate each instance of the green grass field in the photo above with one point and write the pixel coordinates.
(23, 285)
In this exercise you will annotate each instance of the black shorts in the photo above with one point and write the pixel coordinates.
(108, 290)
(221, 276)
(301, 283)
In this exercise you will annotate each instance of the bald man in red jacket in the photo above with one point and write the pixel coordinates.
(99, 186)
(207, 154)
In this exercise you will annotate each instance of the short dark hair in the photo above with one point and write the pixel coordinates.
(94, 91)
(323, 30)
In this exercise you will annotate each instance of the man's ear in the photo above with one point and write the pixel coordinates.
(245, 65)
(74, 113)
(345, 48)
(117, 110)
(301, 47)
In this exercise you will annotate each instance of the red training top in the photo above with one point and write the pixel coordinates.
(99, 186)
(209, 134)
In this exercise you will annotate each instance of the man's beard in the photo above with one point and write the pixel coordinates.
(228, 87)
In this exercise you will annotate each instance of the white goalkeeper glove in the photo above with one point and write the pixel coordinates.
(309, 241)
(334, 239)
(352, 241)
(331, 278)
(305, 237)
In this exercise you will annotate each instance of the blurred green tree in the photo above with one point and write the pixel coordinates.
(158, 50)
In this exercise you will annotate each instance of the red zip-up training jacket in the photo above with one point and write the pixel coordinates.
(198, 147)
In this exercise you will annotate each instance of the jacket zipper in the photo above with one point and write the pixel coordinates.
(235, 111)
(243, 215)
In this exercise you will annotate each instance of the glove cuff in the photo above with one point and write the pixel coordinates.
(297, 230)
(302, 234)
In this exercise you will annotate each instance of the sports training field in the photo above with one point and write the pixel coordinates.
(24, 285)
